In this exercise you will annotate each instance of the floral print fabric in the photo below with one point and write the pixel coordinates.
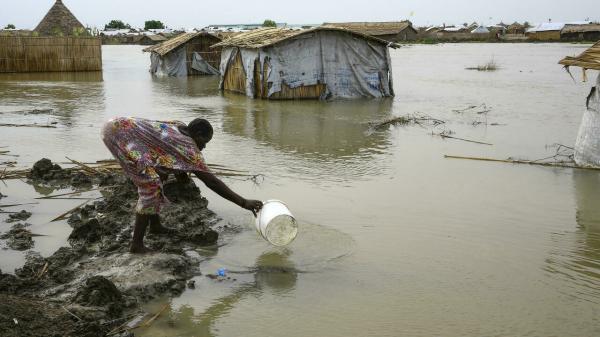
(144, 148)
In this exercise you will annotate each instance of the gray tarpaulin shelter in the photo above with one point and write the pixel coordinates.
(317, 63)
(587, 145)
(186, 54)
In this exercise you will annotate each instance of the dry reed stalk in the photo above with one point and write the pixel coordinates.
(528, 162)
(444, 136)
(63, 216)
(16, 205)
(85, 167)
(28, 125)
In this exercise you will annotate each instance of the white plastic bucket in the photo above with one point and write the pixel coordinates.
(276, 224)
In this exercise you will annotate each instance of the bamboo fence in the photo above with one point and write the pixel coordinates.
(20, 54)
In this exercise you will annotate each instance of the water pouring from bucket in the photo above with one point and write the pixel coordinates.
(276, 224)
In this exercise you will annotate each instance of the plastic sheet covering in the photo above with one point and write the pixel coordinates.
(227, 56)
(349, 66)
(172, 64)
(587, 146)
(200, 64)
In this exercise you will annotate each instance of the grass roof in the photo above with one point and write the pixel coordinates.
(589, 59)
(264, 37)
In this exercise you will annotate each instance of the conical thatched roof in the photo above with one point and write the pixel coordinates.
(59, 21)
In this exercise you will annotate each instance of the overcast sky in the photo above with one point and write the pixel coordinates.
(26, 14)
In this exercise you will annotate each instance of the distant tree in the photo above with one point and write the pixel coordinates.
(153, 24)
(269, 23)
(10, 26)
(466, 24)
(117, 24)
(526, 24)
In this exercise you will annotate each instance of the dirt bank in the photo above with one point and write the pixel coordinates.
(92, 284)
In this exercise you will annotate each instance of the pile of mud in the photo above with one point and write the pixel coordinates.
(91, 285)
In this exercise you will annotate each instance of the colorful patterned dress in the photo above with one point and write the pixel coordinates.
(144, 147)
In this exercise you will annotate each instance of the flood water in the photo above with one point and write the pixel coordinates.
(394, 239)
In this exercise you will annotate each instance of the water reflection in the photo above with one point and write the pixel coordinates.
(62, 95)
(575, 256)
(310, 128)
(273, 272)
(192, 86)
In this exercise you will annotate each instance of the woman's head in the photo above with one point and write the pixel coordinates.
(201, 132)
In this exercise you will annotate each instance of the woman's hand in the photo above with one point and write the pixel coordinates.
(252, 205)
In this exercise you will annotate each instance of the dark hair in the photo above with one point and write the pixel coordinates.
(200, 127)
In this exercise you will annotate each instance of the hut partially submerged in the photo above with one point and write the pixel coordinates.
(587, 145)
(59, 21)
(396, 31)
(186, 54)
(317, 63)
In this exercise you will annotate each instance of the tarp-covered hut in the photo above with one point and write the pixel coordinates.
(59, 21)
(317, 63)
(587, 145)
(390, 31)
(186, 54)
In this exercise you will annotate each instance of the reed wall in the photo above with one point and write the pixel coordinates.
(201, 44)
(49, 54)
(235, 76)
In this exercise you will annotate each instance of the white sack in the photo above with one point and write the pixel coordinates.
(587, 145)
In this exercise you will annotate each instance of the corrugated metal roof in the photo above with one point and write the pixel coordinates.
(589, 59)
(546, 27)
(264, 37)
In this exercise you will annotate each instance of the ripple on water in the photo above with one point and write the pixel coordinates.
(315, 248)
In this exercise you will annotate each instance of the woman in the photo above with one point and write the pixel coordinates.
(148, 151)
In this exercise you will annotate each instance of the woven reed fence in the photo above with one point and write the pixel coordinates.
(49, 54)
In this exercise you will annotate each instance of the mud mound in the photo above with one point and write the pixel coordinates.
(95, 277)
(20, 216)
(18, 237)
(44, 170)
(98, 291)
(20, 317)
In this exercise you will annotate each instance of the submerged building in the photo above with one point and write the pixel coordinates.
(318, 63)
(186, 54)
(587, 145)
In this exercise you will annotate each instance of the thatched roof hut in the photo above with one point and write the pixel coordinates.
(186, 54)
(322, 62)
(391, 31)
(587, 145)
(59, 21)
(581, 32)
(516, 28)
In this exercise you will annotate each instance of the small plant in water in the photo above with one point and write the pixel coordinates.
(490, 66)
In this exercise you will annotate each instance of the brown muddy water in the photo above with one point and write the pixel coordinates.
(394, 239)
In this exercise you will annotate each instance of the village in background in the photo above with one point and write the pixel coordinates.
(61, 22)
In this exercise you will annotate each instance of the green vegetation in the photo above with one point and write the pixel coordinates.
(10, 26)
(118, 24)
(269, 23)
(153, 24)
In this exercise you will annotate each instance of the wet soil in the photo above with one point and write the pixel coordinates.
(18, 237)
(95, 278)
